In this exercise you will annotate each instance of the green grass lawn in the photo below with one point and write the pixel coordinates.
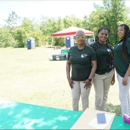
(29, 76)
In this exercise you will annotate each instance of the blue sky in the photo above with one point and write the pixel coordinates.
(49, 8)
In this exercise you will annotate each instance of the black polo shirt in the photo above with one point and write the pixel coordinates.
(81, 62)
(103, 54)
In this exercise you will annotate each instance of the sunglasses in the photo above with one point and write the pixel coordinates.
(83, 37)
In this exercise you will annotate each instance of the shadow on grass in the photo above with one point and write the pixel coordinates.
(114, 109)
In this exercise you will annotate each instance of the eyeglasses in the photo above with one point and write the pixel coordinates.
(83, 37)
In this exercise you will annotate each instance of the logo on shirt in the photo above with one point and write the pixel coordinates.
(83, 55)
(109, 50)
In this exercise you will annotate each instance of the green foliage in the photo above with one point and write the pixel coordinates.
(20, 37)
(13, 19)
(38, 36)
(72, 21)
(59, 41)
(110, 15)
(6, 38)
(85, 23)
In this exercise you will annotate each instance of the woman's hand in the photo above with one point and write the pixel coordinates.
(70, 83)
(127, 74)
(125, 81)
(113, 80)
(87, 84)
(68, 64)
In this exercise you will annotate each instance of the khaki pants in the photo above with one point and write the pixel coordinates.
(77, 91)
(124, 95)
(101, 86)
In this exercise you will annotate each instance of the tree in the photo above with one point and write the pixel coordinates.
(23, 32)
(38, 36)
(116, 13)
(85, 23)
(6, 38)
(13, 19)
(108, 16)
(20, 37)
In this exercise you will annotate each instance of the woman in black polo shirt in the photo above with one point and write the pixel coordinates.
(122, 65)
(104, 75)
(82, 60)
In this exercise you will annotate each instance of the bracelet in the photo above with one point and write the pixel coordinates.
(89, 79)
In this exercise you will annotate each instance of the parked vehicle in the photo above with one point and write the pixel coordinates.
(90, 41)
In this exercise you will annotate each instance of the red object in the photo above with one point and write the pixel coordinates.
(71, 32)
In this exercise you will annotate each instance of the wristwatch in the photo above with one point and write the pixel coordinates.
(89, 79)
